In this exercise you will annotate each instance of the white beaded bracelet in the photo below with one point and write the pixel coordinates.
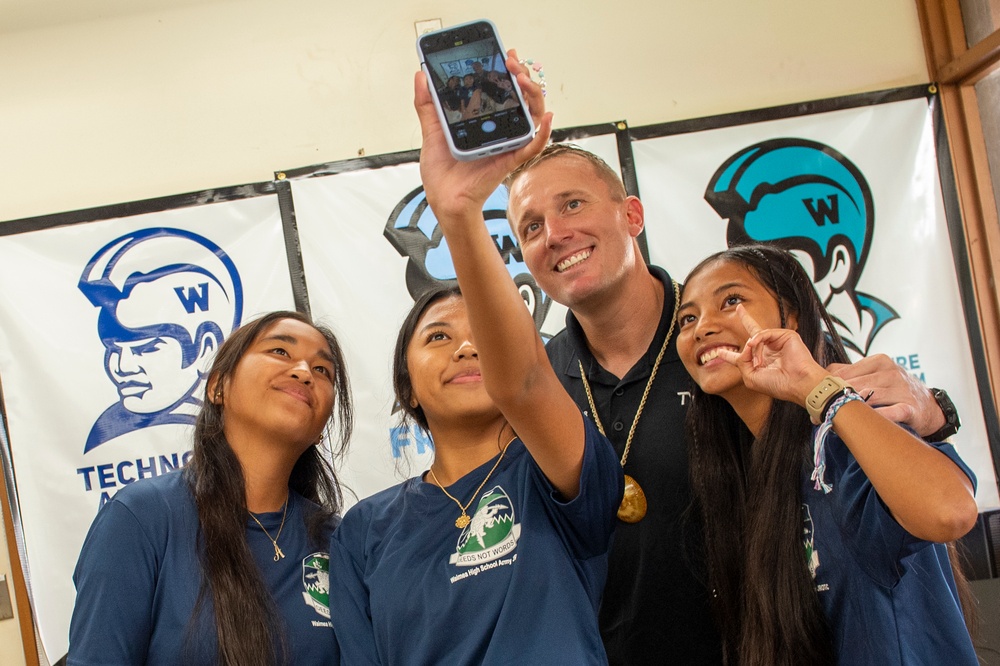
(536, 68)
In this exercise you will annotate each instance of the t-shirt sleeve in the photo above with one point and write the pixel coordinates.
(950, 451)
(587, 522)
(879, 543)
(115, 580)
(350, 607)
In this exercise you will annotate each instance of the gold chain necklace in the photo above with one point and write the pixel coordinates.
(633, 506)
(277, 551)
(463, 520)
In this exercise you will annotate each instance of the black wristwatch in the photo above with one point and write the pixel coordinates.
(951, 422)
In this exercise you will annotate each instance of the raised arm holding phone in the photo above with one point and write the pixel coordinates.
(499, 552)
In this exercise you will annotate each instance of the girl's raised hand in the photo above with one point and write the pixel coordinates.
(457, 189)
(775, 361)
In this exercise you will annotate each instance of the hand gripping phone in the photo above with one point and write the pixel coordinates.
(479, 103)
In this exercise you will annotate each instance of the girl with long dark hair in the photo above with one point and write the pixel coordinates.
(824, 522)
(498, 553)
(226, 560)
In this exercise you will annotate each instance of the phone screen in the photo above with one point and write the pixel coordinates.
(476, 92)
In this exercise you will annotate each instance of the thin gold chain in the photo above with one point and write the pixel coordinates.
(649, 384)
(277, 551)
(464, 518)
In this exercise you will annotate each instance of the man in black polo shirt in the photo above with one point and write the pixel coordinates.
(577, 230)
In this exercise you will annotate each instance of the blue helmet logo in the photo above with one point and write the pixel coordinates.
(413, 230)
(167, 299)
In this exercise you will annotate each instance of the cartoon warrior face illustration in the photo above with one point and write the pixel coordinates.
(413, 230)
(167, 300)
(810, 199)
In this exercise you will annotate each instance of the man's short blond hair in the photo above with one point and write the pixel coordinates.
(601, 168)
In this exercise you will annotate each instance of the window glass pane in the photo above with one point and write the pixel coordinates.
(981, 17)
(988, 98)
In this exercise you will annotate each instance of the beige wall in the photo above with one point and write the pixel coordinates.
(100, 106)
(223, 93)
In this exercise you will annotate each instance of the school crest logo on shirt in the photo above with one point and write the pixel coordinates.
(316, 582)
(491, 534)
(809, 542)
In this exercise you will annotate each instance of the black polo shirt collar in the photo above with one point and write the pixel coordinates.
(596, 374)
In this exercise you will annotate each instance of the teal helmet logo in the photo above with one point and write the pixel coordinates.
(808, 198)
(413, 230)
(798, 193)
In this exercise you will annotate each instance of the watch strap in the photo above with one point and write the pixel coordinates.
(820, 396)
(951, 421)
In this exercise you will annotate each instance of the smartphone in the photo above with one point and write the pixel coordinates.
(478, 101)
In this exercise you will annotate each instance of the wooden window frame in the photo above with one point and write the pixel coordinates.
(956, 69)
(21, 601)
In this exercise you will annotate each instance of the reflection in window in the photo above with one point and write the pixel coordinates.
(988, 97)
(981, 17)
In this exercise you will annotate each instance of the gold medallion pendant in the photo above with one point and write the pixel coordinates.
(633, 506)
(462, 521)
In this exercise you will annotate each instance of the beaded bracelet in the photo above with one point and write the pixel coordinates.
(535, 67)
(819, 437)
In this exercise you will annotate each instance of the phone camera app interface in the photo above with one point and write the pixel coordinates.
(476, 93)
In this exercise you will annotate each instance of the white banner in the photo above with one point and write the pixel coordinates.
(105, 327)
(856, 195)
(105, 330)
(369, 243)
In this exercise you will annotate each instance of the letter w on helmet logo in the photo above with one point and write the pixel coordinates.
(193, 298)
(821, 211)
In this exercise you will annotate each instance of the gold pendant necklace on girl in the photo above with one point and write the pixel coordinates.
(278, 554)
(463, 519)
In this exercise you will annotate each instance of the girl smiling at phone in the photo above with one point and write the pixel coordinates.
(225, 561)
(498, 554)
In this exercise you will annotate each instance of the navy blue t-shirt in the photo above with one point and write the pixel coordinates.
(889, 597)
(520, 585)
(139, 572)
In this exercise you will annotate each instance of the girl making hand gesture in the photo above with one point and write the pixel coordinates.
(824, 522)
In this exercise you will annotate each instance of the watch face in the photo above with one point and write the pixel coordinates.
(951, 420)
(946, 405)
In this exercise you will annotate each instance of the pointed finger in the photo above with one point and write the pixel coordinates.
(756, 344)
(749, 323)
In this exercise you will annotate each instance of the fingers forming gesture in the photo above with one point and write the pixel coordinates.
(774, 361)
